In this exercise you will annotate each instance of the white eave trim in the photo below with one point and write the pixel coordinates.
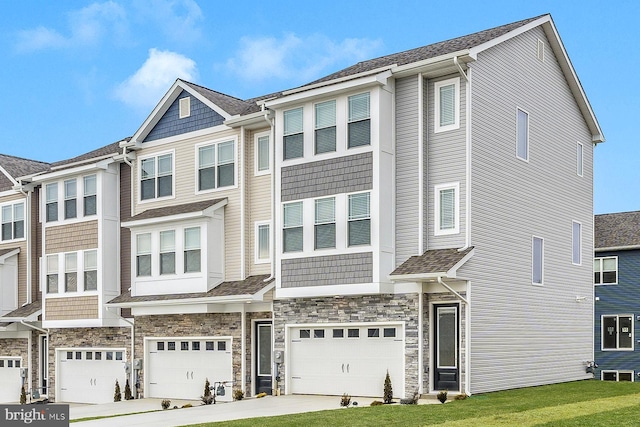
(432, 64)
(3, 258)
(69, 169)
(249, 119)
(33, 317)
(208, 212)
(4, 171)
(617, 248)
(228, 299)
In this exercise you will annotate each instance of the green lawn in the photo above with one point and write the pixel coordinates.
(582, 403)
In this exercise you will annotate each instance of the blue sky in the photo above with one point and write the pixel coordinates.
(78, 75)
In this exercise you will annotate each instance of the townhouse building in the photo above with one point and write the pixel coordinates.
(426, 214)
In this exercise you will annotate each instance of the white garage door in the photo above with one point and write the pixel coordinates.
(178, 367)
(89, 375)
(346, 359)
(10, 380)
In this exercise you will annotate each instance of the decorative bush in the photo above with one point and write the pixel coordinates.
(23, 396)
(345, 400)
(461, 396)
(117, 396)
(413, 400)
(238, 394)
(377, 403)
(388, 390)
(442, 396)
(127, 391)
(165, 404)
(207, 397)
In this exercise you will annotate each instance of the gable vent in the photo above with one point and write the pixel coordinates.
(540, 52)
(185, 107)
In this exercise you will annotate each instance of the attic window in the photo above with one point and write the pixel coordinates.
(185, 107)
(540, 52)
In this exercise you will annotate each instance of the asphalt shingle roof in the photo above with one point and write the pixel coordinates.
(249, 286)
(175, 209)
(24, 311)
(617, 230)
(432, 261)
(110, 149)
(18, 167)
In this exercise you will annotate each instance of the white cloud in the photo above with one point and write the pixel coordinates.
(147, 85)
(87, 26)
(296, 59)
(177, 19)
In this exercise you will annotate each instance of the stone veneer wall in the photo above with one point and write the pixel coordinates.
(367, 308)
(443, 298)
(202, 324)
(88, 338)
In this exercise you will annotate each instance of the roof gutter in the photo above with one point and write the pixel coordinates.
(617, 248)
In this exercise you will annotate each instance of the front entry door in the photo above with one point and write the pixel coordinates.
(445, 348)
(263, 363)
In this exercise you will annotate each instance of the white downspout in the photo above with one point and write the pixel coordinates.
(242, 203)
(421, 342)
(243, 345)
(132, 380)
(27, 228)
(272, 232)
(29, 355)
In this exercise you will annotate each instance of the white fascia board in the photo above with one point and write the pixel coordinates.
(32, 317)
(13, 181)
(330, 87)
(101, 165)
(8, 255)
(250, 119)
(204, 300)
(208, 212)
(436, 62)
(11, 192)
(617, 248)
(453, 271)
(565, 64)
(418, 277)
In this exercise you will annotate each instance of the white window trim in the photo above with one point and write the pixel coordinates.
(256, 137)
(573, 243)
(618, 372)
(256, 228)
(541, 262)
(528, 133)
(601, 260)
(173, 174)
(633, 336)
(184, 107)
(197, 165)
(436, 105)
(80, 270)
(24, 220)
(437, 231)
(580, 159)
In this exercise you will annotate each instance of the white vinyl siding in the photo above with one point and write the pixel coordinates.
(576, 233)
(447, 105)
(293, 141)
(522, 135)
(605, 271)
(447, 209)
(325, 127)
(292, 235)
(359, 124)
(537, 261)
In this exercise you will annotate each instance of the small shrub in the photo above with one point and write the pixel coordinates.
(188, 405)
(345, 400)
(442, 396)
(259, 395)
(413, 400)
(207, 397)
(165, 404)
(238, 394)
(23, 396)
(127, 391)
(461, 396)
(207, 400)
(388, 390)
(117, 396)
(377, 403)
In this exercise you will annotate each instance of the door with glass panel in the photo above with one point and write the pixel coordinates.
(446, 352)
(263, 362)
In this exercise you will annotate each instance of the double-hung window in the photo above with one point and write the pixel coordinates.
(71, 272)
(447, 101)
(263, 244)
(70, 199)
(263, 158)
(576, 233)
(292, 235)
(13, 221)
(537, 260)
(143, 254)
(325, 223)
(522, 135)
(359, 125)
(52, 274)
(192, 250)
(605, 270)
(293, 134)
(52, 202)
(447, 209)
(216, 165)
(617, 332)
(90, 199)
(359, 220)
(325, 127)
(156, 177)
(91, 270)
(168, 252)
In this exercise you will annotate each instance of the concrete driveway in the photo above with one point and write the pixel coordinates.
(247, 408)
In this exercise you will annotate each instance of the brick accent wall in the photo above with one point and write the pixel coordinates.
(367, 308)
(76, 237)
(343, 269)
(71, 308)
(85, 337)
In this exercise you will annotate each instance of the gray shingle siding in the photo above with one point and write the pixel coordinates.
(344, 269)
(326, 177)
(170, 124)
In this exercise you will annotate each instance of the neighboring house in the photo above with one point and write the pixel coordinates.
(21, 341)
(426, 214)
(616, 279)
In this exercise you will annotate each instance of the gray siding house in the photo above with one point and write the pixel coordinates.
(433, 219)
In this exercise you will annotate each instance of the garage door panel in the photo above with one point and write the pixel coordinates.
(89, 375)
(346, 359)
(10, 380)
